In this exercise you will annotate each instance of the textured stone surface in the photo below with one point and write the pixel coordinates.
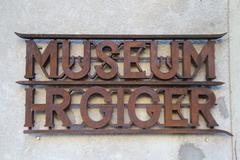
(127, 17)
(189, 151)
(234, 22)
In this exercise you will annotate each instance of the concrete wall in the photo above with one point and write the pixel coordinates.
(234, 33)
(118, 17)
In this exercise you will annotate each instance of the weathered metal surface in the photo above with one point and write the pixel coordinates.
(190, 57)
(128, 131)
(170, 84)
(104, 36)
(106, 109)
(124, 83)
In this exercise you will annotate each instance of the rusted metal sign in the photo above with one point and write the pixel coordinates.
(112, 68)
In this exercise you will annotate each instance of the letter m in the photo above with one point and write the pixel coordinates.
(206, 55)
(34, 55)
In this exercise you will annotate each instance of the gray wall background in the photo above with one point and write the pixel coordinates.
(118, 17)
